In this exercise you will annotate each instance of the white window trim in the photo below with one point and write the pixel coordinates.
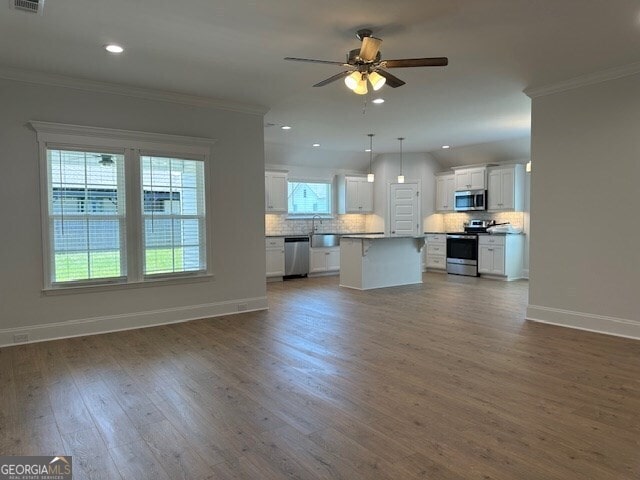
(132, 143)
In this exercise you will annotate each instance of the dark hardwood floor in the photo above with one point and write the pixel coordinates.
(443, 380)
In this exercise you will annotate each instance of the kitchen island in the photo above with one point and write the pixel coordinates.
(377, 261)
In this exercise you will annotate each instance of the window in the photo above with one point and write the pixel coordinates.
(309, 198)
(129, 210)
(174, 215)
(86, 215)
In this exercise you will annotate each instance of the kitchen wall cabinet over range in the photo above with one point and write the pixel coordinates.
(506, 188)
(355, 194)
(445, 190)
(471, 178)
(500, 256)
(436, 251)
(275, 192)
(324, 260)
(275, 257)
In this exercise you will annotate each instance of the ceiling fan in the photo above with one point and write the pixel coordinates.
(365, 63)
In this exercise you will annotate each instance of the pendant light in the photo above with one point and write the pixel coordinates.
(370, 176)
(401, 176)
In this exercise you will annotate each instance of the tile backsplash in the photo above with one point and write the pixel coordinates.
(454, 222)
(284, 225)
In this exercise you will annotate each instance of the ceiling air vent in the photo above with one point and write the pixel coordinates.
(33, 6)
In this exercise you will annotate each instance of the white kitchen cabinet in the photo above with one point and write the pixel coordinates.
(506, 188)
(500, 256)
(275, 192)
(275, 257)
(324, 260)
(445, 190)
(436, 251)
(355, 194)
(471, 178)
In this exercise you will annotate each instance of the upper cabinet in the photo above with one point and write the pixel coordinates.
(355, 194)
(445, 190)
(275, 192)
(471, 178)
(506, 188)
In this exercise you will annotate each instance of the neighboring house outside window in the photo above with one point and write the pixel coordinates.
(309, 198)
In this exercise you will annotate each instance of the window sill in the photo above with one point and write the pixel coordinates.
(305, 216)
(107, 287)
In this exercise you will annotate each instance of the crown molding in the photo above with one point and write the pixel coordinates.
(584, 80)
(41, 78)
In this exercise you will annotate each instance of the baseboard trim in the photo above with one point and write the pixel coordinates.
(620, 327)
(130, 321)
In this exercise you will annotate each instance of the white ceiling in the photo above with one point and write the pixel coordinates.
(234, 49)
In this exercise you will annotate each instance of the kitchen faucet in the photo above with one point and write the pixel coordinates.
(313, 223)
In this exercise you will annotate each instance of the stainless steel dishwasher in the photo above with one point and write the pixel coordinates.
(296, 256)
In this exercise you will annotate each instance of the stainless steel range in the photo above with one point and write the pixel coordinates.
(462, 254)
(462, 248)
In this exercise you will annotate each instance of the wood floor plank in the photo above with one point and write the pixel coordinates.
(91, 459)
(174, 453)
(135, 461)
(112, 422)
(443, 380)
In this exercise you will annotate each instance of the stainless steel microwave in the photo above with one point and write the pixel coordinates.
(470, 200)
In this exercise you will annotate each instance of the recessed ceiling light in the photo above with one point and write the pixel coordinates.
(113, 48)
(285, 127)
(445, 146)
(378, 100)
(316, 145)
(367, 150)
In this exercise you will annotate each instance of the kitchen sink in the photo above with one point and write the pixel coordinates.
(323, 240)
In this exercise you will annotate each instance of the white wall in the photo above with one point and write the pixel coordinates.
(585, 260)
(237, 205)
(420, 167)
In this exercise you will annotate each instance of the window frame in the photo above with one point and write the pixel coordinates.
(133, 144)
(328, 181)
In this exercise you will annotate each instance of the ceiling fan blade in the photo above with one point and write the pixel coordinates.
(369, 48)
(337, 76)
(417, 62)
(311, 60)
(392, 80)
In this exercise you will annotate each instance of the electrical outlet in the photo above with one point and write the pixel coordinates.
(242, 307)
(21, 338)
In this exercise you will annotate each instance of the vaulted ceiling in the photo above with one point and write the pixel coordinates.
(234, 49)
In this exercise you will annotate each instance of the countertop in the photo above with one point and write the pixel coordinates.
(378, 236)
(483, 233)
(322, 233)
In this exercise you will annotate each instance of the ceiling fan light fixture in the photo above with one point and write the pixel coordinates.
(351, 81)
(361, 88)
(377, 80)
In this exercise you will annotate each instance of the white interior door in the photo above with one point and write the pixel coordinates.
(404, 209)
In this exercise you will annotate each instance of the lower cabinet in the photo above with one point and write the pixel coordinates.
(275, 257)
(501, 256)
(324, 260)
(436, 251)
